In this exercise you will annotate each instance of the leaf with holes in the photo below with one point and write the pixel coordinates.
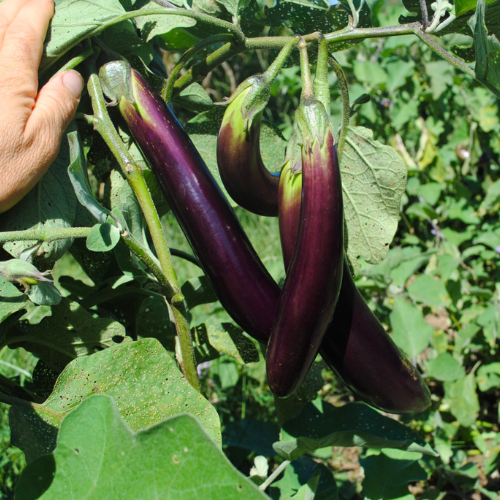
(373, 180)
(142, 378)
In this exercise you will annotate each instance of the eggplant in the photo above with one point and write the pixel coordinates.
(312, 283)
(356, 346)
(241, 168)
(237, 275)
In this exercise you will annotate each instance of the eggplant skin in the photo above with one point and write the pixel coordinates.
(312, 284)
(241, 168)
(356, 346)
(238, 277)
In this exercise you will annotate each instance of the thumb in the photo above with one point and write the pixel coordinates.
(55, 106)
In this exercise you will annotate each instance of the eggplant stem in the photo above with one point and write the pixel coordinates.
(307, 86)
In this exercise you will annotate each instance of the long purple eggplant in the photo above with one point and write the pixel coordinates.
(241, 168)
(312, 284)
(238, 277)
(356, 346)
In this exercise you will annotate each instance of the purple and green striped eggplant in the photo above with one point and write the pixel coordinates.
(241, 168)
(356, 346)
(312, 283)
(238, 277)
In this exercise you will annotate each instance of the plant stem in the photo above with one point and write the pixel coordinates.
(188, 362)
(45, 234)
(133, 174)
(168, 89)
(445, 54)
(305, 71)
(281, 467)
(12, 400)
(166, 275)
(346, 108)
(73, 63)
(321, 87)
(213, 60)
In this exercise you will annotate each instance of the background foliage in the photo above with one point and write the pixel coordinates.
(436, 292)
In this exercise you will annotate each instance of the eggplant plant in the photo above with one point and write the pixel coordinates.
(159, 340)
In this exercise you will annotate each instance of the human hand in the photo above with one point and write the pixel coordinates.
(31, 122)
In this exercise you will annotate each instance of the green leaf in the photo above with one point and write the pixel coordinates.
(194, 97)
(462, 6)
(198, 291)
(488, 376)
(387, 477)
(204, 130)
(445, 367)
(211, 342)
(75, 20)
(462, 397)
(155, 24)
(369, 73)
(97, 453)
(487, 51)
(373, 182)
(50, 205)
(153, 320)
(44, 294)
(234, 7)
(409, 330)
(69, 332)
(355, 424)
(77, 172)
(11, 300)
(142, 378)
(251, 434)
(103, 238)
(492, 198)
(304, 476)
(429, 290)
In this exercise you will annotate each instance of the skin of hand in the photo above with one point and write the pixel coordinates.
(32, 122)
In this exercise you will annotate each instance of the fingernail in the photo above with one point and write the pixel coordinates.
(73, 81)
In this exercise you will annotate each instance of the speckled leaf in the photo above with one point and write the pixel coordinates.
(143, 379)
(204, 129)
(321, 424)
(75, 20)
(51, 204)
(98, 456)
(69, 332)
(373, 181)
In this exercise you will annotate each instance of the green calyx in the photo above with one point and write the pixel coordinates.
(251, 96)
(116, 81)
(313, 122)
(22, 272)
(248, 102)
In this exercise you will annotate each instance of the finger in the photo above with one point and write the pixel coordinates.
(8, 11)
(23, 40)
(55, 106)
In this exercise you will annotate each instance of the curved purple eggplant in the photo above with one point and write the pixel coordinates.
(312, 284)
(356, 346)
(241, 168)
(238, 277)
